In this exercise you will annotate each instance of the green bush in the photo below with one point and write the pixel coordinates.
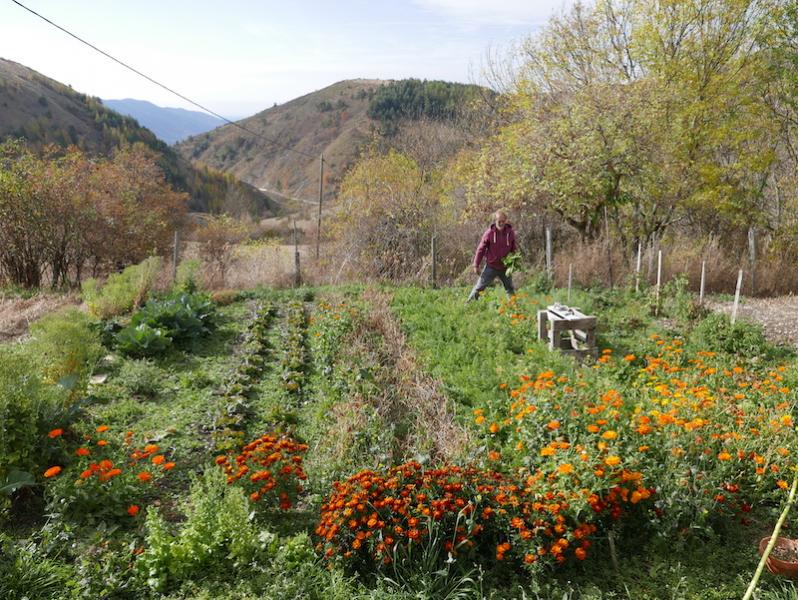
(25, 574)
(188, 273)
(716, 333)
(66, 347)
(123, 291)
(29, 408)
(140, 378)
(217, 537)
(180, 318)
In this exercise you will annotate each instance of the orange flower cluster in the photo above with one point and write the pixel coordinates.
(269, 467)
(372, 516)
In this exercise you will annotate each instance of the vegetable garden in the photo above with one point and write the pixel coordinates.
(391, 443)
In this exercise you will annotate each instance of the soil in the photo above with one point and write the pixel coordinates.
(16, 314)
(776, 315)
(786, 554)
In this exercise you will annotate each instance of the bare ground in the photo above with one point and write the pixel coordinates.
(16, 314)
(778, 316)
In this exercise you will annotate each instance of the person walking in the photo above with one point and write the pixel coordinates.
(497, 242)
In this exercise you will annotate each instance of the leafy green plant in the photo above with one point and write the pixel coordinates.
(188, 272)
(513, 263)
(142, 341)
(217, 536)
(26, 574)
(717, 333)
(123, 291)
(140, 378)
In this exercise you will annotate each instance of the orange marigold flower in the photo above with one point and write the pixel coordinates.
(82, 451)
(86, 474)
(144, 476)
(102, 442)
(612, 461)
(168, 466)
(151, 448)
(629, 357)
(724, 456)
(102, 428)
(565, 468)
(609, 435)
(479, 420)
(55, 433)
(158, 459)
(580, 553)
(52, 471)
(133, 510)
(548, 451)
(552, 425)
(782, 484)
(494, 428)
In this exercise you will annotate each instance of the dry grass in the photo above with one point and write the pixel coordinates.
(414, 394)
(16, 314)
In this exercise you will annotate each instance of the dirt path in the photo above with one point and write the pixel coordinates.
(16, 314)
(779, 316)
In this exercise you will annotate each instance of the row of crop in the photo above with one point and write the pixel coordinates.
(293, 357)
(229, 428)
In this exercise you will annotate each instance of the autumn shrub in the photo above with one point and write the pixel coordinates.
(217, 537)
(67, 348)
(122, 292)
(269, 469)
(106, 475)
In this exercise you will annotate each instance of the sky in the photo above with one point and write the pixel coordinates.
(238, 57)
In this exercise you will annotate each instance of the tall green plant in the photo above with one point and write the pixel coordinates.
(123, 291)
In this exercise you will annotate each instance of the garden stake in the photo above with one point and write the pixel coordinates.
(772, 543)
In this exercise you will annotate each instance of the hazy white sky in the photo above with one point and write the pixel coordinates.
(240, 56)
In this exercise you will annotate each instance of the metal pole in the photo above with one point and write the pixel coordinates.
(175, 256)
(737, 296)
(703, 280)
(321, 193)
(659, 280)
(637, 270)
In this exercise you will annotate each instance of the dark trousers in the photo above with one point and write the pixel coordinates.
(487, 277)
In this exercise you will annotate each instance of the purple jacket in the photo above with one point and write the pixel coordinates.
(495, 245)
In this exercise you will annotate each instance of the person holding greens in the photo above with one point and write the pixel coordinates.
(497, 242)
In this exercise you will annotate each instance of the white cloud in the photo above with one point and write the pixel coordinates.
(495, 12)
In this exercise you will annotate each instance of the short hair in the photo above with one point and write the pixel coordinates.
(501, 212)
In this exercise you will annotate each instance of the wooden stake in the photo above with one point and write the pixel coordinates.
(570, 280)
(752, 257)
(548, 252)
(321, 192)
(175, 256)
(637, 269)
(659, 281)
(703, 279)
(297, 277)
(609, 244)
(434, 263)
(737, 296)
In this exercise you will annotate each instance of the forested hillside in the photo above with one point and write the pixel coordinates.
(43, 111)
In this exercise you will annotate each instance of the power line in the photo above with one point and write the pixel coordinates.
(168, 89)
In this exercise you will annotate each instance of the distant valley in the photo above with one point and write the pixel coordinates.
(169, 124)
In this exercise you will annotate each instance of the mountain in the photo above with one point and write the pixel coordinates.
(44, 111)
(336, 121)
(332, 121)
(169, 124)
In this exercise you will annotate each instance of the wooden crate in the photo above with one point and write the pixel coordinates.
(568, 330)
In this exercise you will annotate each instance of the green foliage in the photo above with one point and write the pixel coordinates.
(188, 272)
(217, 537)
(67, 348)
(416, 99)
(743, 339)
(123, 291)
(29, 408)
(181, 319)
(25, 574)
(140, 378)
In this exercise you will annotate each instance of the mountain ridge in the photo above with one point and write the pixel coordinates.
(170, 124)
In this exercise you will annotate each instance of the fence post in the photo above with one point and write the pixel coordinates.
(752, 257)
(703, 279)
(297, 276)
(434, 262)
(637, 269)
(609, 245)
(659, 281)
(175, 256)
(321, 193)
(548, 252)
(570, 280)
(737, 296)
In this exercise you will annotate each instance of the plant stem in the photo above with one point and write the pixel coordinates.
(790, 500)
